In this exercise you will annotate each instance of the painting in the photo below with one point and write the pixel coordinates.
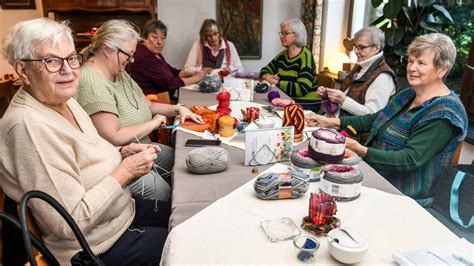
(241, 21)
(18, 4)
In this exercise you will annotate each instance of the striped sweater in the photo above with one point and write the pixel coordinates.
(297, 75)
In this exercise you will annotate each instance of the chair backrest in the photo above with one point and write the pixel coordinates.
(6, 93)
(325, 81)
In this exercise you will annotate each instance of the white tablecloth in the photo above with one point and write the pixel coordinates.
(228, 231)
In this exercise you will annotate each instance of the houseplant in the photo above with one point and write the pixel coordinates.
(402, 21)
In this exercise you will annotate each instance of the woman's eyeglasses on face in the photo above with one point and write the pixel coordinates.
(282, 33)
(129, 56)
(356, 47)
(213, 34)
(54, 64)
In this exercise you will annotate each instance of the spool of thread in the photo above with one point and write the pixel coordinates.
(226, 126)
(326, 145)
(272, 95)
(294, 116)
(344, 182)
(302, 163)
(207, 160)
(271, 186)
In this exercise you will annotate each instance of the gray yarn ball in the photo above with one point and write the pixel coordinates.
(207, 160)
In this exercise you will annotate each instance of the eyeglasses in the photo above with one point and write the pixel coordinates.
(54, 64)
(213, 34)
(360, 47)
(285, 33)
(129, 56)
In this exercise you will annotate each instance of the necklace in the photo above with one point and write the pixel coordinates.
(126, 94)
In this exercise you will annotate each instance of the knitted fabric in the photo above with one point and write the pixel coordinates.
(327, 106)
(297, 74)
(270, 186)
(294, 116)
(207, 160)
(419, 182)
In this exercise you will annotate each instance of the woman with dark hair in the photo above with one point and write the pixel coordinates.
(150, 69)
(212, 51)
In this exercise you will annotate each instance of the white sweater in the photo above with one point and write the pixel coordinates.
(377, 94)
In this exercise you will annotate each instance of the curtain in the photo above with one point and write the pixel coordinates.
(312, 16)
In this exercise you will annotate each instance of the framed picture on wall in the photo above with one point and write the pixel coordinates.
(241, 21)
(18, 4)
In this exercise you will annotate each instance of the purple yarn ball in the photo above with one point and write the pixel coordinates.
(272, 95)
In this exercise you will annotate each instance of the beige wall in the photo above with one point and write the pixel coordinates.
(8, 18)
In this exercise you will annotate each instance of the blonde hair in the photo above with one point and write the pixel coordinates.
(111, 34)
(437, 43)
(21, 39)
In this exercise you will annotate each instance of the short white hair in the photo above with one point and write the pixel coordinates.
(22, 38)
(300, 30)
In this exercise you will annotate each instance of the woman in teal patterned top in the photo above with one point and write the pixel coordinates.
(293, 70)
(420, 129)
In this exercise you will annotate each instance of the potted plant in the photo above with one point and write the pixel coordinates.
(402, 21)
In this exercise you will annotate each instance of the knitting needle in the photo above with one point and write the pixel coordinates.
(179, 125)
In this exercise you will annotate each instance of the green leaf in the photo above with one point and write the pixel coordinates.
(376, 3)
(444, 12)
(426, 2)
(407, 13)
(393, 36)
(380, 22)
(392, 8)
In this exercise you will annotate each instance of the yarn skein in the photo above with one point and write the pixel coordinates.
(327, 145)
(272, 95)
(271, 186)
(342, 181)
(207, 160)
(226, 126)
(294, 116)
(223, 108)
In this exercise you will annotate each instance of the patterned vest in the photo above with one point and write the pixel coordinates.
(419, 182)
(358, 87)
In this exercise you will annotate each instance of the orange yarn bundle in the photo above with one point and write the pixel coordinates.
(294, 116)
(226, 126)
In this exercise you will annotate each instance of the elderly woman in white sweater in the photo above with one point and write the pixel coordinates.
(50, 144)
(370, 84)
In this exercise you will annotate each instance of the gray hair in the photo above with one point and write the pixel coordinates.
(111, 34)
(437, 43)
(375, 35)
(300, 30)
(22, 38)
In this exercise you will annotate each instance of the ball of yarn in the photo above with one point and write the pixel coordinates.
(272, 95)
(342, 181)
(293, 115)
(281, 102)
(350, 158)
(262, 87)
(207, 160)
(272, 186)
(326, 145)
(303, 159)
(226, 126)
(210, 84)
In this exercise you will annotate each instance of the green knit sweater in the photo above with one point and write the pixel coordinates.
(123, 97)
(297, 75)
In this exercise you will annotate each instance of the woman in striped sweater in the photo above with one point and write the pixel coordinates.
(293, 70)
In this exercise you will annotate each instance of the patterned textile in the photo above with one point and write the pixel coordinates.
(312, 16)
(420, 182)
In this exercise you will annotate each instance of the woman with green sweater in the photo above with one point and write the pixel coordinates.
(293, 70)
(420, 129)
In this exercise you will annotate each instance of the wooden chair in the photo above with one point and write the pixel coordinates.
(6, 93)
(325, 81)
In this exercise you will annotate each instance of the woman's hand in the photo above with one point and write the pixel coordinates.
(185, 113)
(134, 148)
(321, 91)
(356, 147)
(336, 96)
(272, 79)
(160, 120)
(314, 120)
(135, 166)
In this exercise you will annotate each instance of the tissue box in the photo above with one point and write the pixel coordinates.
(239, 89)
